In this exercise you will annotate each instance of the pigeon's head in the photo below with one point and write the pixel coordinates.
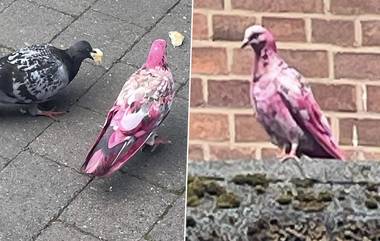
(82, 50)
(157, 55)
(259, 37)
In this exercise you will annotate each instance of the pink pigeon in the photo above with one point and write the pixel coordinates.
(285, 104)
(143, 103)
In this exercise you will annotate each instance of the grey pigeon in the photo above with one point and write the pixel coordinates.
(35, 74)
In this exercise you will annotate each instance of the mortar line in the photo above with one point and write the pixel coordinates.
(10, 4)
(51, 8)
(160, 218)
(118, 18)
(47, 158)
(70, 225)
(168, 190)
(61, 210)
(131, 47)
(25, 147)
(74, 20)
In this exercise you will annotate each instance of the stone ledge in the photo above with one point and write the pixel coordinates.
(269, 200)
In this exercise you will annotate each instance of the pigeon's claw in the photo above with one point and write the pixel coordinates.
(51, 114)
(291, 155)
(155, 140)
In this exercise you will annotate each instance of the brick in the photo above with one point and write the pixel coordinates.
(231, 153)
(228, 27)
(335, 97)
(228, 93)
(368, 131)
(371, 33)
(211, 4)
(209, 127)
(305, 6)
(354, 7)
(338, 32)
(196, 95)
(310, 63)
(200, 26)
(209, 60)
(242, 61)
(247, 129)
(286, 29)
(360, 155)
(269, 153)
(196, 152)
(357, 66)
(373, 98)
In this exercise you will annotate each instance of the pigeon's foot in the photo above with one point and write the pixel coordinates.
(51, 114)
(289, 156)
(155, 140)
(282, 153)
(34, 111)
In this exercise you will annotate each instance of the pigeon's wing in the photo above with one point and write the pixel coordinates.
(31, 74)
(305, 110)
(142, 105)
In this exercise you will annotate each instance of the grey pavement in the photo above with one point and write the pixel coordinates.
(43, 195)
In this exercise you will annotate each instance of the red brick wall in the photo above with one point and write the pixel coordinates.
(335, 44)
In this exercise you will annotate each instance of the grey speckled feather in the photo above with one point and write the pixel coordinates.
(35, 74)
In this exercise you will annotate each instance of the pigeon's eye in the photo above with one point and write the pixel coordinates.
(88, 50)
(254, 36)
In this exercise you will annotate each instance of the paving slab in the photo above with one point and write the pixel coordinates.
(59, 231)
(103, 94)
(18, 130)
(67, 6)
(3, 161)
(69, 140)
(131, 10)
(166, 166)
(5, 3)
(170, 223)
(107, 33)
(26, 23)
(183, 92)
(87, 76)
(32, 190)
(121, 207)
(179, 19)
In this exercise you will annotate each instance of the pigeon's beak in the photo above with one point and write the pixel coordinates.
(97, 55)
(245, 43)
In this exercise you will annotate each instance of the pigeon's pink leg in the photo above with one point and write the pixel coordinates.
(34, 111)
(282, 152)
(291, 154)
(155, 140)
(51, 114)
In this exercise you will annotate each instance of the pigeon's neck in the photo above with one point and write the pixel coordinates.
(74, 63)
(264, 61)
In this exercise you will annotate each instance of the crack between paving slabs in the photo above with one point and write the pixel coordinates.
(10, 4)
(54, 161)
(172, 191)
(160, 218)
(75, 19)
(120, 19)
(51, 8)
(128, 49)
(60, 211)
(80, 230)
(26, 147)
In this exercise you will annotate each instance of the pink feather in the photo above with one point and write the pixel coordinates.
(141, 106)
(284, 102)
